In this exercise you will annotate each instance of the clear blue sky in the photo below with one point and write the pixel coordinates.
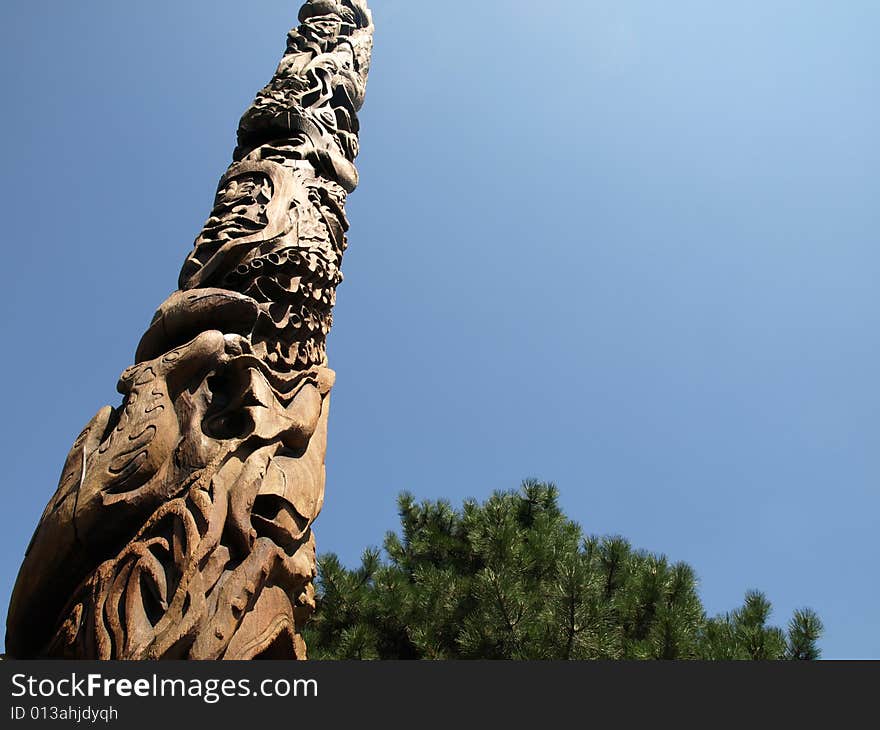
(629, 247)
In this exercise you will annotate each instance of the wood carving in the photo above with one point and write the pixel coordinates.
(182, 524)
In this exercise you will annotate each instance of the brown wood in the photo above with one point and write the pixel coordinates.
(182, 524)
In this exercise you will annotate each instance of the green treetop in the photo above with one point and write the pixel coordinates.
(514, 578)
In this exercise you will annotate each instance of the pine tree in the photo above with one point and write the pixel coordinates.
(514, 578)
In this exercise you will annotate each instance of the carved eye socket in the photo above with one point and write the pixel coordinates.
(219, 387)
(227, 417)
(230, 426)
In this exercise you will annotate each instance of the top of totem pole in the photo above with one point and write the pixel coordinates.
(317, 90)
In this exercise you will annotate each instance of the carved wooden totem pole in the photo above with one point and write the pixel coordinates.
(182, 524)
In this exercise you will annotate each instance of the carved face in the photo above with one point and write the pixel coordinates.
(240, 208)
(253, 205)
(322, 29)
(210, 461)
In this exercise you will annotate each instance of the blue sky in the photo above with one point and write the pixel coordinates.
(629, 247)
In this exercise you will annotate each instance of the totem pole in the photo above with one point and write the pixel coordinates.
(182, 524)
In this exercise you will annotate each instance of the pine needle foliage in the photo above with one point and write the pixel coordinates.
(514, 578)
